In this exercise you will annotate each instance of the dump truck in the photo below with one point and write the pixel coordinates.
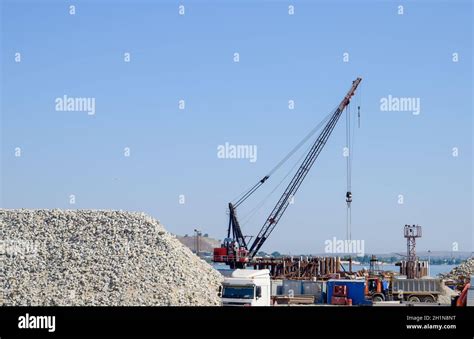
(416, 290)
(376, 288)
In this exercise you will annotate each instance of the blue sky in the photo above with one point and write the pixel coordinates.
(282, 57)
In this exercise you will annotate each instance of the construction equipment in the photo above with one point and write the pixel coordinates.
(376, 288)
(466, 297)
(461, 300)
(246, 288)
(416, 290)
(411, 232)
(235, 251)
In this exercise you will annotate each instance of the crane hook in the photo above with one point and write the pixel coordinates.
(349, 197)
(358, 116)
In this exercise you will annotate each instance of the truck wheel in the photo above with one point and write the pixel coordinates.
(414, 299)
(428, 299)
(378, 298)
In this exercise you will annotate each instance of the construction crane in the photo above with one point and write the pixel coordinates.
(235, 251)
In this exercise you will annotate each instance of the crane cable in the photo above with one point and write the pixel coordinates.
(244, 195)
(259, 206)
(350, 142)
(348, 169)
(302, 142)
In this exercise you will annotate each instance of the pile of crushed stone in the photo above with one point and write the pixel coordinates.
(89, 257)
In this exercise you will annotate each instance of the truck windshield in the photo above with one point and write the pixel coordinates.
(238, 292)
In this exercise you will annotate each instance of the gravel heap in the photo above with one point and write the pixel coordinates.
(466, 269)
(446, 295)
(87, 257)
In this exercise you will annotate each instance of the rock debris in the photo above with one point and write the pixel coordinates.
(94, 257)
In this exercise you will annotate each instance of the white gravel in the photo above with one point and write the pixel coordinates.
(465, 269)
(87, 257)
(446, 295)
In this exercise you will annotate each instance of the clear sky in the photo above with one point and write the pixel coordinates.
(283, 57)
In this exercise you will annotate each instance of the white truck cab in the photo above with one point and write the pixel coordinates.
(246, 288)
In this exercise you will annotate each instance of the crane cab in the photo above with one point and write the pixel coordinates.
(231, 254)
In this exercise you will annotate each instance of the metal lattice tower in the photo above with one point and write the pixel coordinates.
(411, 232)
(374, 267)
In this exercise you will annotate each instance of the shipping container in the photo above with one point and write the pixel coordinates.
(316, 288)
(292, 287)
(277, 287)
(305, 287)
